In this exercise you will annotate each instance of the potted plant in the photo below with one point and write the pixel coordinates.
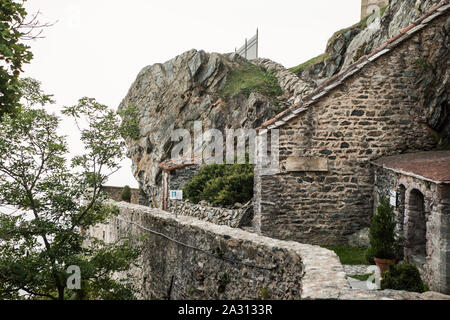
(384, 244)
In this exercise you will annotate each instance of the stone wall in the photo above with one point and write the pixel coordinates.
(185, 258)
(222, 216)
(434, 265)
(115, 193)
(372, 114)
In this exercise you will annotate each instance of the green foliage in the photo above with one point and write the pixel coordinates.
(43, 236)
(248, 79)
(13, 54)
(369, 255)
(32, 93)
(221, 184)
(349, 255)
(301, 67)
(264, 293)
(126, 194)
(361, 277)
(129, 127)
(403, 277)
(383, 241)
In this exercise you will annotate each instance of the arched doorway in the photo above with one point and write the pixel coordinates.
(416, 233)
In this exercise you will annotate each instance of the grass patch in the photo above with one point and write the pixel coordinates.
(250, 79)
(309, 63)
(350, 255)
(361, 277)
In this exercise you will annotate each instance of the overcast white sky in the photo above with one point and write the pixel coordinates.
(98, 47)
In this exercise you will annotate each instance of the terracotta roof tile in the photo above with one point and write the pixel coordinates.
(407, 28)
(433, 165)
(394, 38)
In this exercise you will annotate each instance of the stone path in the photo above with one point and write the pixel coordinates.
(361, 291)
(356, 270)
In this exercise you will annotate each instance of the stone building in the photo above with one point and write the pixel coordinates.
(418, 186)
(115, 193)
(370, 6)
(375, 108)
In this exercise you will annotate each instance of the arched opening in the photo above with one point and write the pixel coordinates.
(416, 235)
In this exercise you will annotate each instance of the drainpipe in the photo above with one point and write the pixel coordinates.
(166, 189)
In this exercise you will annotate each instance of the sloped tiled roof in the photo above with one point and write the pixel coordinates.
(432, 166)
(337, 80)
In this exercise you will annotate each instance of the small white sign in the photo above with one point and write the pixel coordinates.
(393, 198)
(176, 194)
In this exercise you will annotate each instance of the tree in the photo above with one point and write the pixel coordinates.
(221, 184)
(384, 244)
(44, 235)
(126, 194)
(14, 29)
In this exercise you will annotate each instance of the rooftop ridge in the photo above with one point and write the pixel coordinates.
(335, 81)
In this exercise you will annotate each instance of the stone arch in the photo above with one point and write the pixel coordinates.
(416, 225)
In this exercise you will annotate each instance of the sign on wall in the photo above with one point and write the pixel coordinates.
(176, 194)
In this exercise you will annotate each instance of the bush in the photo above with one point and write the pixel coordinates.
(126, 194)
(248, 79)
(403, 277)
(221, 184)
(383, 241)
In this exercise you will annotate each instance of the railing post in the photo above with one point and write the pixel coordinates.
(257, 42)
(245, 48)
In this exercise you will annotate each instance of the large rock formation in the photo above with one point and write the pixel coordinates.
(177, 93)
(348, 45)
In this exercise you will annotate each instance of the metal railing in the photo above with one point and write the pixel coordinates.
(250, 49)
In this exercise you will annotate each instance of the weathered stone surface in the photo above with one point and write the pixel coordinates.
(360, 239)
(299, 164)
(115, 193)
(221, 216)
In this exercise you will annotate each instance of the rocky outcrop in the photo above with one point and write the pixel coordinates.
(348, 45)
(177, 93)
(398, 15)
(294, 88)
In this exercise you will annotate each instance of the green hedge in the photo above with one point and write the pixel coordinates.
(403, 277)
(221, 184)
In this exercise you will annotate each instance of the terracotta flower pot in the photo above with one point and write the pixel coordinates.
(383, 264)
